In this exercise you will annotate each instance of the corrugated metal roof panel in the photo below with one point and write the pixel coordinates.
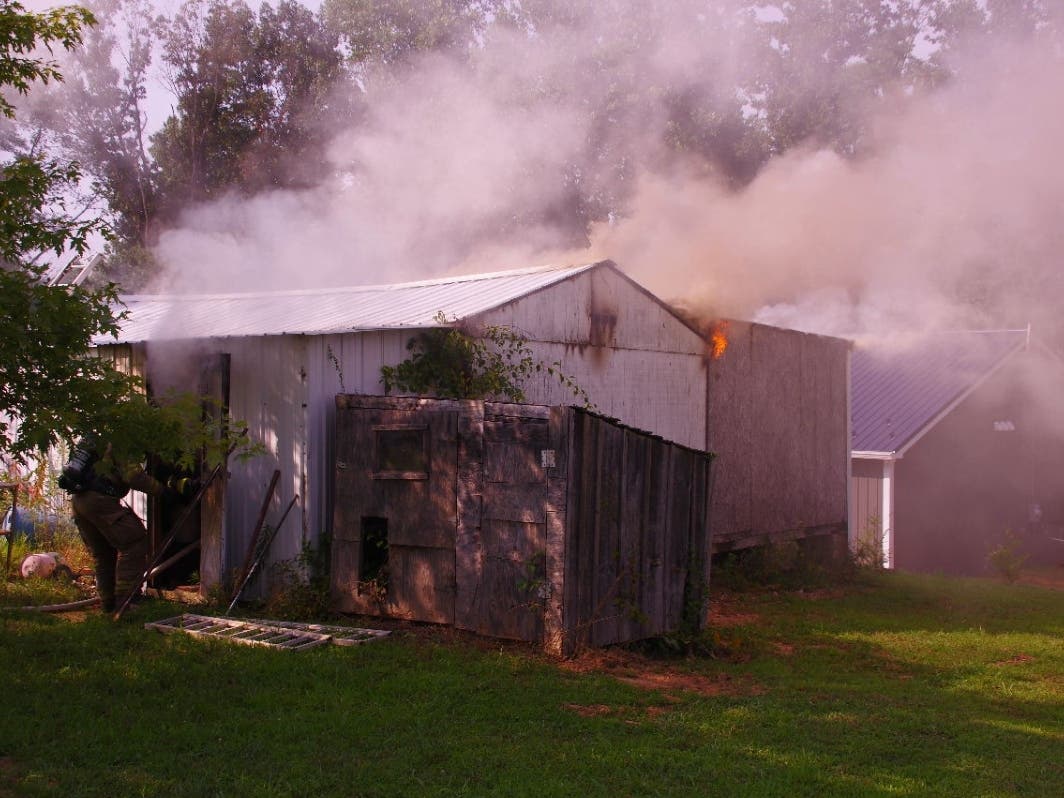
(333, 310)
(899, 390)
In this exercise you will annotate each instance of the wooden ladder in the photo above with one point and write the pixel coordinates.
(287, 635)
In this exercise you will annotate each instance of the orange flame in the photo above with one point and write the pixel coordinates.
(718, 339)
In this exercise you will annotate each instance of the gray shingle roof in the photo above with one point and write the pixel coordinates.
(898, 390)
(334, 310)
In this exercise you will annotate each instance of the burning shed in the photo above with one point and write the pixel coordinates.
(958, 449)
(545, 524)
(778, 425)
(277, 360)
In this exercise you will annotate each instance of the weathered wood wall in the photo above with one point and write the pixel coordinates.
(637, 533)
(779, 426)
(531, 523)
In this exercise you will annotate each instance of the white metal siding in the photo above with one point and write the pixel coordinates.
(268, 392)
(872, 518)
(661, 393)
(647, 369)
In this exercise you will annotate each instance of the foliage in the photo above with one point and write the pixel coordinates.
(102, 122)
(53, 387)
(23, 34)
(254, 100)
(47, 382)
(389, 32)
(299, 588)
(180, 428)
(868, 548)
(823, 65)
(490, 362)
(793, 564)
(1006, 558)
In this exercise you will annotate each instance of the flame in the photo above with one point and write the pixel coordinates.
(718, 339)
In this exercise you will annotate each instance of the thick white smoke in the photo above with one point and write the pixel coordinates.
(951, 219)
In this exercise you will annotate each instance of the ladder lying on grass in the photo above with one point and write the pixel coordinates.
(286, 635)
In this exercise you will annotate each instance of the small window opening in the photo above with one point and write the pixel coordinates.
(402, 453)
(374, 565)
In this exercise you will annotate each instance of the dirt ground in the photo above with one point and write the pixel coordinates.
(1048, 576)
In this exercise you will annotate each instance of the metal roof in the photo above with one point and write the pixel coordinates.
(331, 310)
(899, 391)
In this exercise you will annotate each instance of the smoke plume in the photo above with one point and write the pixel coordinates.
(948, 217)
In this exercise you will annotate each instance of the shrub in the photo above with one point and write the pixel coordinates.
(1006, 558)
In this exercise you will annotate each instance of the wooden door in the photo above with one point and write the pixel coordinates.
(395, 512)
(505, 593)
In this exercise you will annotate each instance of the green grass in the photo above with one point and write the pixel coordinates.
(903, 686)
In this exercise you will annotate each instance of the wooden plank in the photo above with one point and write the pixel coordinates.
(505, 409)
(513, 531)
(678, 539)
(697, 587)
(745, 539)
(346, 546)
(419, 514)
(526, 503)
(555, 638)
(535, 431)
(580, 545)
(654, 535)
(514, 463)
(397, 403)
(608, 554)
(343, 581)
(421, 584)
(512, 590)
(633, 481)
(469, 559)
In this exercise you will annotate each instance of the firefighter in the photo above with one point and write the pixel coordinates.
(114, 535)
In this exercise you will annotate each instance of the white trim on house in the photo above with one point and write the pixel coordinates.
(875, 455)
(886, 521)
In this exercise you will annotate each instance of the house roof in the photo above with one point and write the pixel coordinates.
(413, 305)
(900, 391)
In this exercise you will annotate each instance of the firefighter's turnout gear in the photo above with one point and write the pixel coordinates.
(113, 533)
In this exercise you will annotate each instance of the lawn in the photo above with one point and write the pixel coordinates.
(897, 685)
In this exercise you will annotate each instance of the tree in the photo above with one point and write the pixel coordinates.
(105, 126)
(254, 100)
(100, 120)
(46, 379)
(52, 386)
(389, 32)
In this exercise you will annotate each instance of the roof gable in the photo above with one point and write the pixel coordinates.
(414, 305)
(899, 391)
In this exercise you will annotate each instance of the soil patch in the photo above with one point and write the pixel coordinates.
(725, 612)
(640, 671)
(1052, 578)
(1018, 659)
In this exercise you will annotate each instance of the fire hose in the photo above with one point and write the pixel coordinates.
(70, 605)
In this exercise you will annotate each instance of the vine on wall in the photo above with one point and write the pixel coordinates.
(493, 363)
